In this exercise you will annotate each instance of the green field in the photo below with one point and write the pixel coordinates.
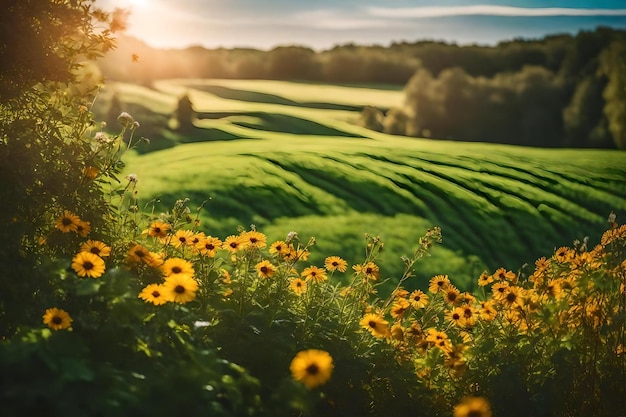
(289, 156)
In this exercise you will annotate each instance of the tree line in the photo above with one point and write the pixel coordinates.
(558, 91)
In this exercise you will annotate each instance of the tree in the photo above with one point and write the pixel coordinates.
(613, 64)
(185, 114)
(371, 118)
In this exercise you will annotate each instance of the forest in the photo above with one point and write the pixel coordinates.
(559, 91)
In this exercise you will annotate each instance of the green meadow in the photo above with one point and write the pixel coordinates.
(291, 156)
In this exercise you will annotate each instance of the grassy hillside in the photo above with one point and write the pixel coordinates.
(301, 163)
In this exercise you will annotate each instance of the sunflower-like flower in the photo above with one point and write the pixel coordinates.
(485, 279)
(209, 246)
(369, 270)
(499, 289)
(156, 294)
(137, 254)
(96, 247)
(502, 274)
(418, 299)
(376, 325)
(265, 269)
(399, 307)
(472, 407)
(68, 222)
(86, 264)
(234, 243)
(180, 288)
(177, 267)
(439, 339)
(83, 228)
(57, 319)
(487, 311)
(437, 283)
(450, 293)
(182, 238)
(315, 274)
(158, 229)
(298, 286)
(335, 263)
(254, 239)
(455, 316)
(279, 248)
(312, 367)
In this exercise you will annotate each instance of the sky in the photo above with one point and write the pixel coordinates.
(322, 24)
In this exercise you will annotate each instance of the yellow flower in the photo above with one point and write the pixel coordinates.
(487, 311)
(397, 332)
(68, 222)
(502, 274)
(439, 339)
(182, 238)
(180, 288)
(513, 297)
(455, 316)
(254, 239)
(57, 319)
(279, 248)
(315, 274)
(499, 289)
(88, 264)
(437, 283)
(153, 260)
(564, 254)
(418, 299)
(312, 367)
(485, 279)
(377, 326)
(265, 269)
(158, 229)
(137, 253)
(298, 286)
(234, 243)
(399, 307)
(472, 407)
(450, 293)
(96, 247)
(83, 228)
(155, 294)
(369, 270)
(177, 267)
(209, 246)
(335, 263)
(90, 172)
(554, 289)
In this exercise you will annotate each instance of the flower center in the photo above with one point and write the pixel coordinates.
(57, 320)
(66, 221)
(156, 294)
(88, 265)
(177, 270)
(179, 289)
(312, 369)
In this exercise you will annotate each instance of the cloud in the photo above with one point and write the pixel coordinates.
(488, 10)
(334, 20)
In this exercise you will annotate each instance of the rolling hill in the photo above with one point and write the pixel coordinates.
(289, 156)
